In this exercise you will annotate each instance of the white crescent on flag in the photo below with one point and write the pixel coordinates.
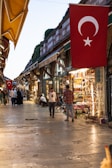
(9, 84)
(83, 20)
(88, 19)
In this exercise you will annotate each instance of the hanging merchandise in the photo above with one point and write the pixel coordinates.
(88, 95)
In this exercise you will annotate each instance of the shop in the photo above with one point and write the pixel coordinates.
(56, 83)
(88, 86)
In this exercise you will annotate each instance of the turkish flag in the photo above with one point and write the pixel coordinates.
(88, 35)
(9, 84)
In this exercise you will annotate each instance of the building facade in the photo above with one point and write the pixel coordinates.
(50, 66)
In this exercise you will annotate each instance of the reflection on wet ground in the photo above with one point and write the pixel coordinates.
(30, 138)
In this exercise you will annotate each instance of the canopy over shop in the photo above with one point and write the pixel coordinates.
(12, 16)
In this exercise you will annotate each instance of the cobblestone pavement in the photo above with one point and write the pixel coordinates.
(30, 138)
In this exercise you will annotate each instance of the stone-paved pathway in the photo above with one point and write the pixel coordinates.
(30, 138)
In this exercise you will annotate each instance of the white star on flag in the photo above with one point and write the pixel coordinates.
(87, 41)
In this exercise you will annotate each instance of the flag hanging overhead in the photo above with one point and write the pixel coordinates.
(9, 84)
(88, 34)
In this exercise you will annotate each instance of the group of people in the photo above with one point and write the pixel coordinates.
(16, 96)
(52, 100)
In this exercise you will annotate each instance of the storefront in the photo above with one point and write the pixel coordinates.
(88, 86)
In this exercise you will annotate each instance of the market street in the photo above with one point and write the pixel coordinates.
(30, 138)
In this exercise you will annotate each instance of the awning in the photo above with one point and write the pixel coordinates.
(13, 14)
(49, 59)
(67, 46)
(110, 19)
(32, 67)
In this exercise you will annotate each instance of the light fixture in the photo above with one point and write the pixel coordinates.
(67, 82)
(78, 70)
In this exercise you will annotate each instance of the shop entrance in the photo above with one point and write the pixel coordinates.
(88, 90)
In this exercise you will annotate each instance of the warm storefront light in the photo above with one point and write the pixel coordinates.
(92, 96)
(78, 70)
(84, 86)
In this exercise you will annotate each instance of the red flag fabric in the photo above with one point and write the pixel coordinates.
(9, 84)
(88, 35)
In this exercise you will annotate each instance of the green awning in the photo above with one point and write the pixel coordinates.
(67, 46)
(110, 19)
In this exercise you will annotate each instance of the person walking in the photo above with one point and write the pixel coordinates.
(52, 101)
(13, 95)
(19, 97)
(5, 96)
(68, 99)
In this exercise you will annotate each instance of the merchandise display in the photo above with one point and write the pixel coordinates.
(88, 95)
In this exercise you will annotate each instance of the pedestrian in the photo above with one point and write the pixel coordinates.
(5, 96)
(19, 97)
(22, 95)
(52, 102)
(68, 99)
(13, 95)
